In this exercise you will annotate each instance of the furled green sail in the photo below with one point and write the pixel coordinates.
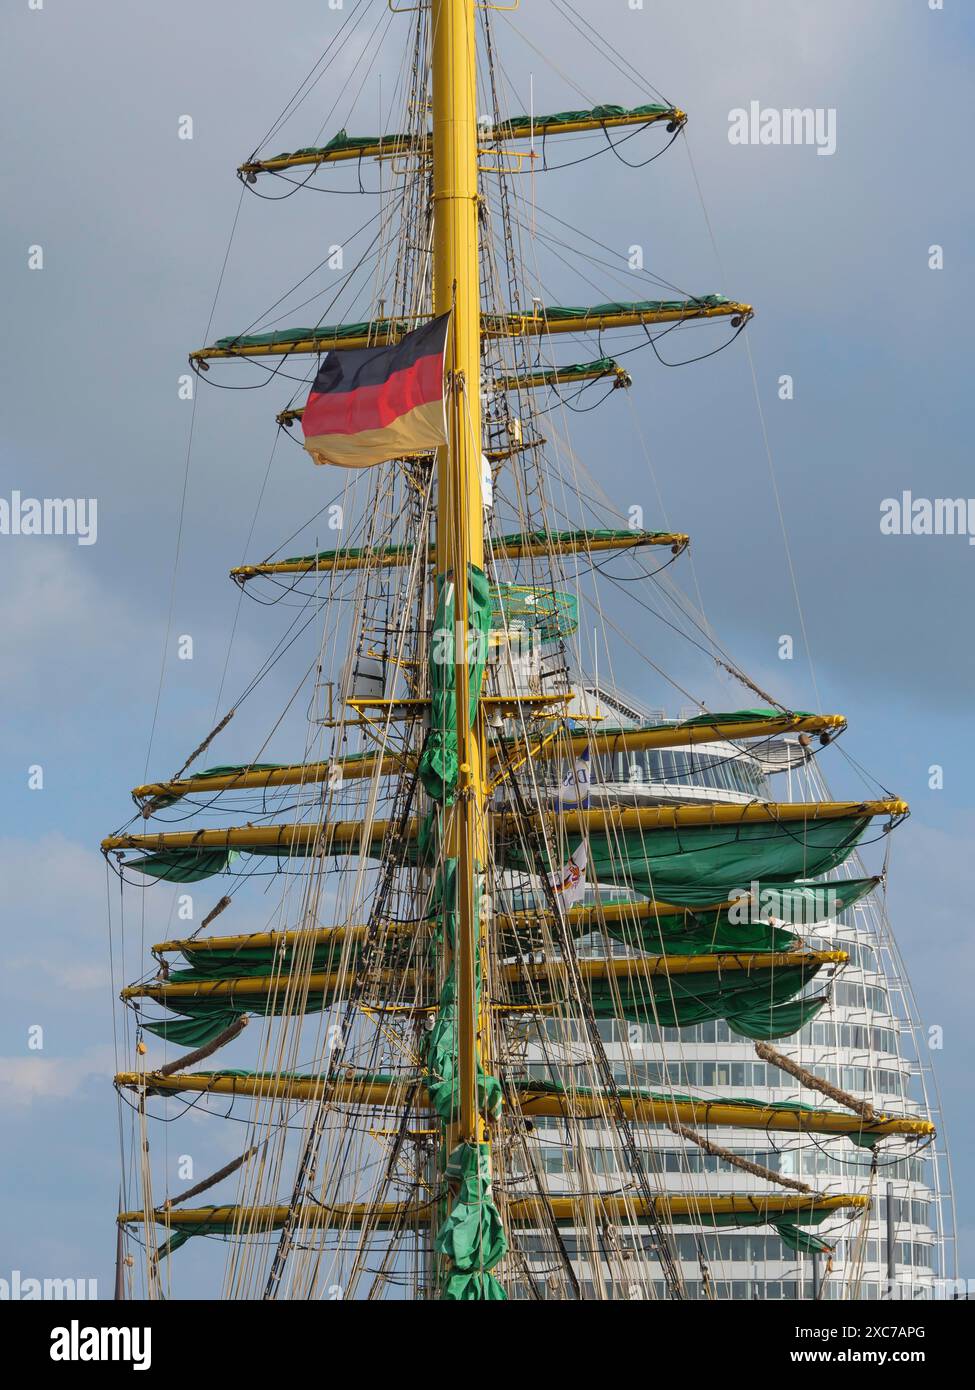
(702, 864)
(260, 960)
(438, 761)
(441, 1046)
(764, 1022)
(697, 932)
(182, 865)
(561, 312)
(472, 1232)
(471, 1236)
(441, 1060)
(749, 1002)
(226, 770)
(606, 112)
(759, 1004)
(694, 866)
(514, 124)
(744, 716)
(380, 329)
(204, 1020)
(343, 141)
(385, 554)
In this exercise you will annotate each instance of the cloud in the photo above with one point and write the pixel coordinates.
(47, 878)
(59, 620)
(77, 977)
(36, 1078)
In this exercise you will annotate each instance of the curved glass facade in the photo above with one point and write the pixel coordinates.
(715, 767)
(865, 1040)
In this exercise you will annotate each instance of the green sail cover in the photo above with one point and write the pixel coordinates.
(561, 312)
(181, 865)
(381, 329)
(806, 904)
(438, 763)
(694, 867)
(595, 113)
(705, 864)
(513, 539)
(745, 716)
(786, 1224)
(737, 716)
(441, 1060)
(756, 1010)
(556, 538)
(707, 930)
(532, 1085)
(558, 1088)
(344, 141)
(441, 1048)
(669, 936)
(192, 865)
(471, 1235)
(228, 769)
(474, 1225)
(748, 1001)
(177, 1239)
(378, 329)
(803, 1241)
(542, 375)
(200, 1026)
(765, 1023)
(680, 1001)
(207, 1018)
(225, 771)
(354, 552)
(259, 960)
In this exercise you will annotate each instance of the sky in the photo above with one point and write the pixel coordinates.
(134, 224)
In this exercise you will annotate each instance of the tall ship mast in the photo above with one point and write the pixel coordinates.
(448, 966)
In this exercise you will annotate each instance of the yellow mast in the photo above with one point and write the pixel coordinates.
(460, 534)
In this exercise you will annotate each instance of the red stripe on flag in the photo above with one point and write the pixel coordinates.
(375, 407)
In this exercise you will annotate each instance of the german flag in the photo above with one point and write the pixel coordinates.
(373, 404)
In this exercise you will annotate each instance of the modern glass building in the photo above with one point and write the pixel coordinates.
(866, 1040)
